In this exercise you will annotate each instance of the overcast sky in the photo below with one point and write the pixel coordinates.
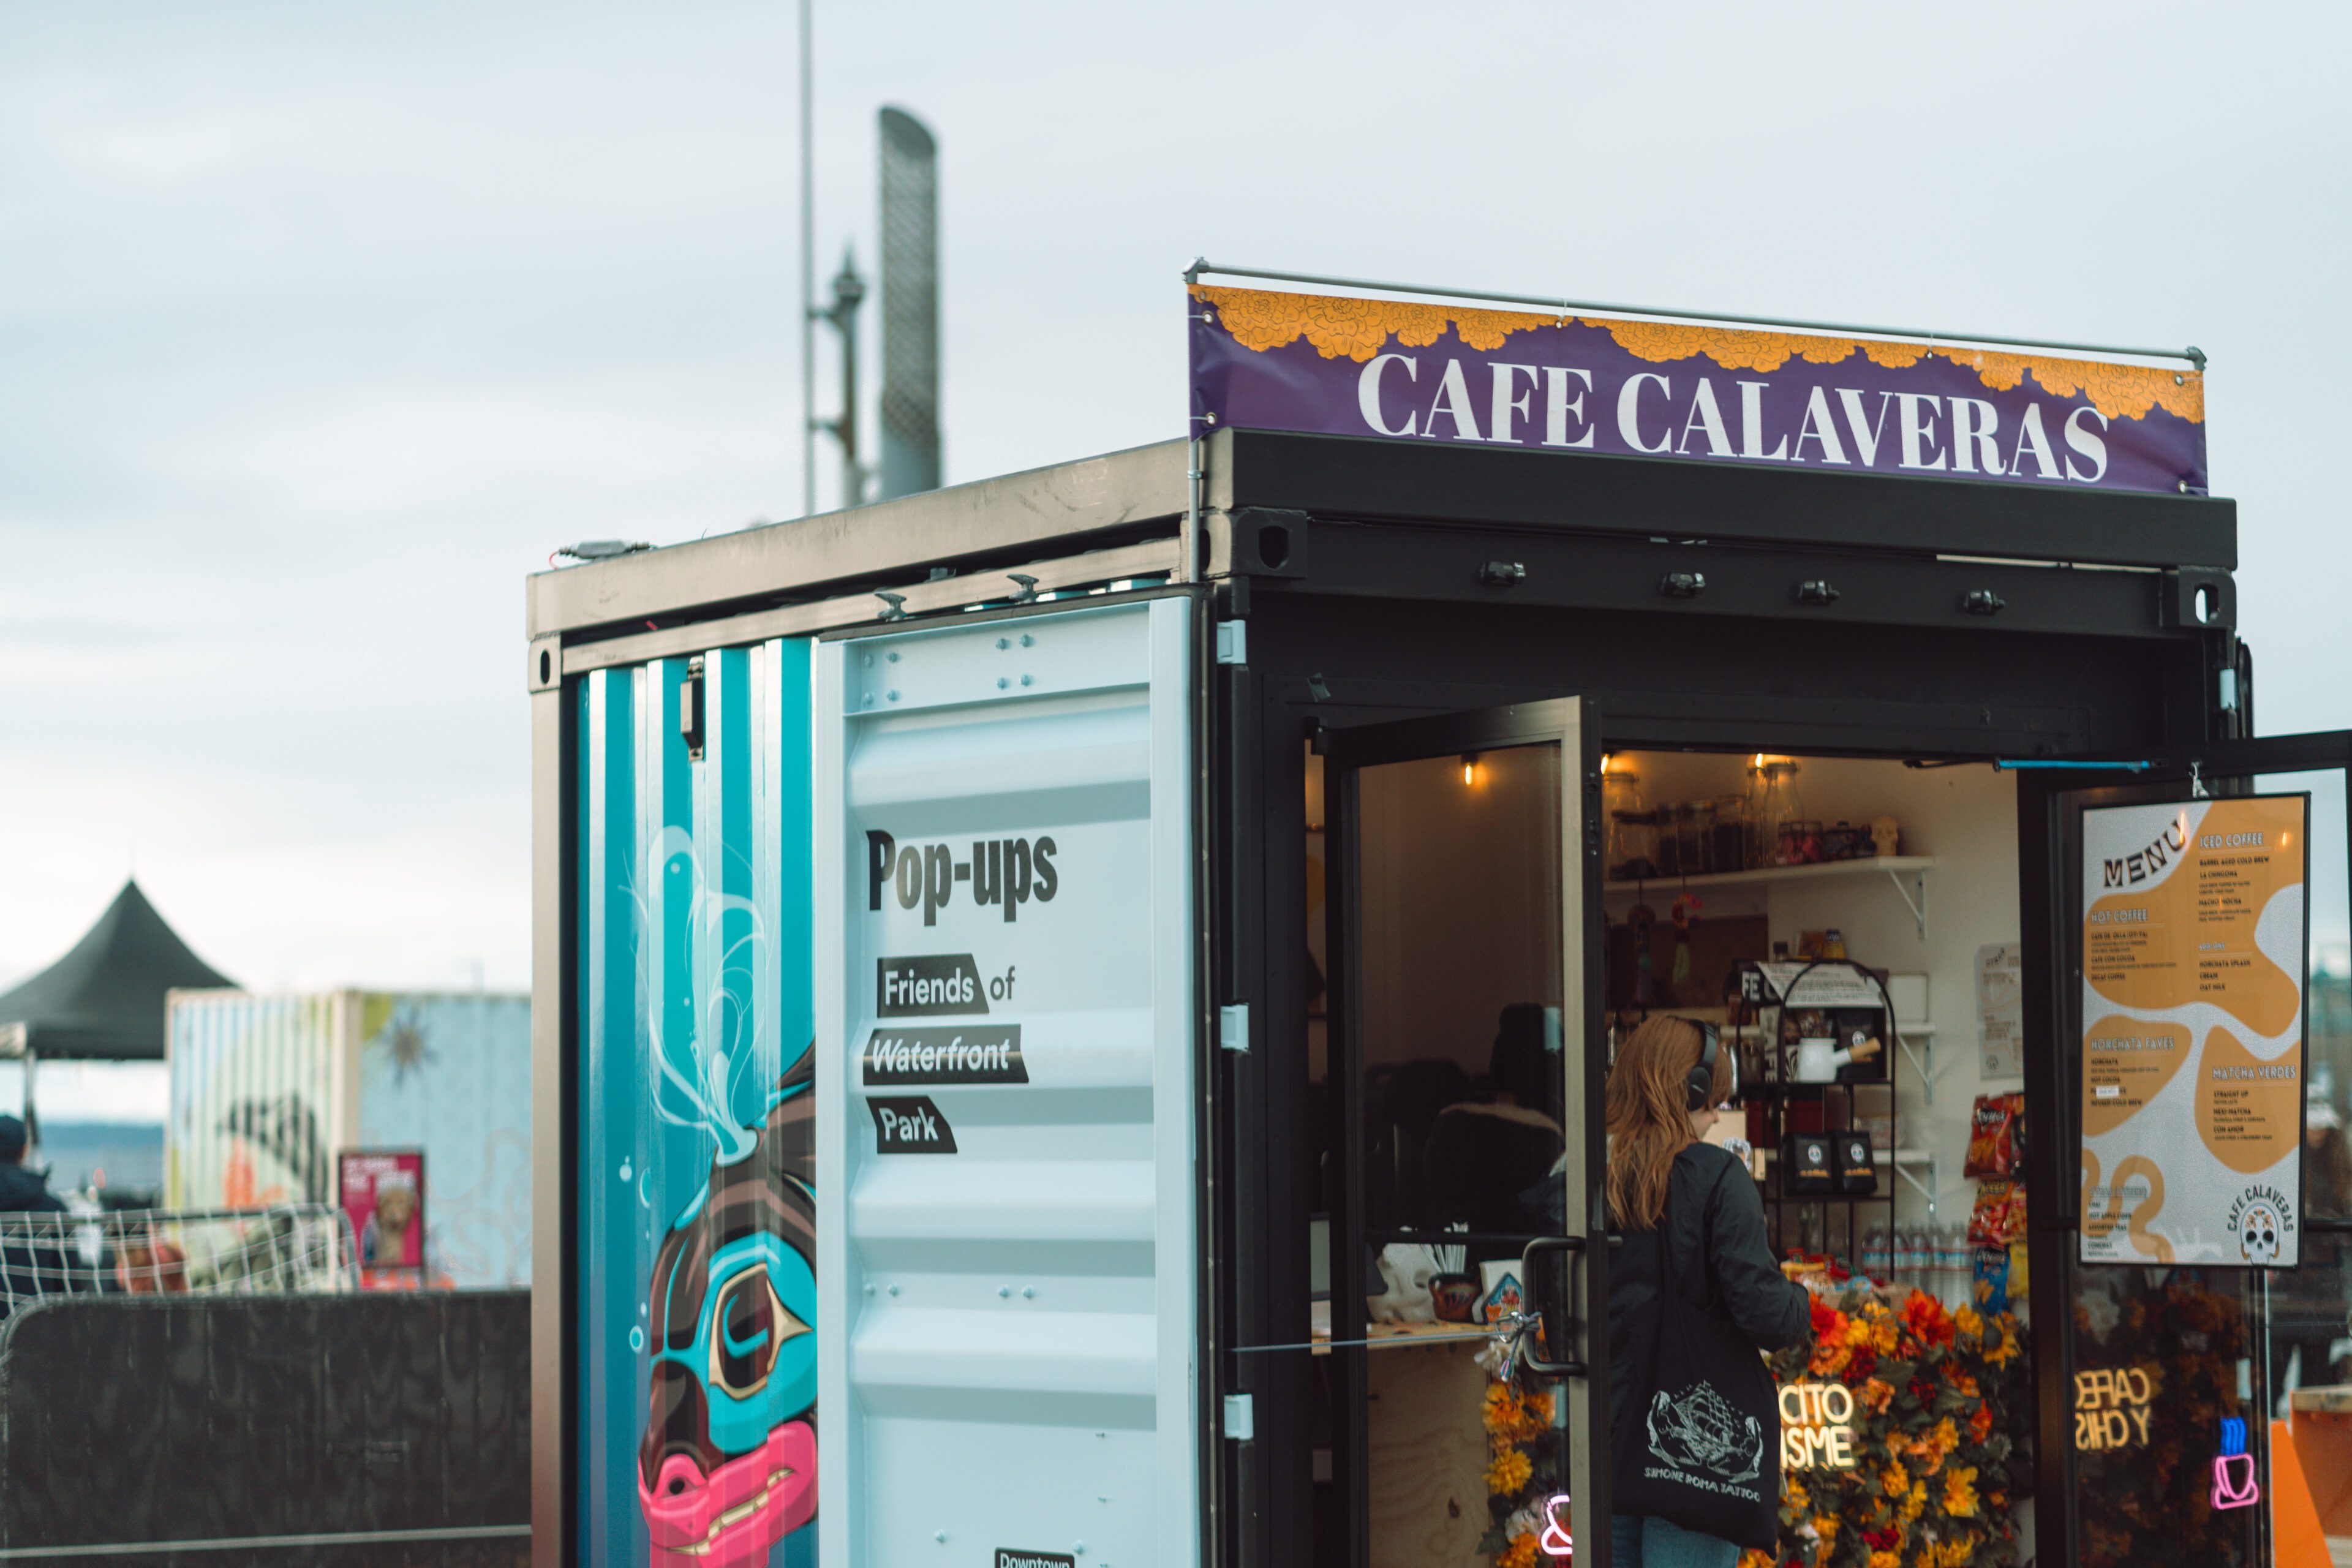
(321, 326)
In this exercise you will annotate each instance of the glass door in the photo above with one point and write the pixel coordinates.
(1467, 1355)
(2193, 1184)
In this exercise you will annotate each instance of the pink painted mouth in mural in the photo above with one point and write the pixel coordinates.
(731, 1518)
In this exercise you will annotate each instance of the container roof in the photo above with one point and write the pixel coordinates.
(104, 999)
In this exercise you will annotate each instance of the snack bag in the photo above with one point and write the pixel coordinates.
(1993, 1143)
(2000, 1214)
(1992, 1280)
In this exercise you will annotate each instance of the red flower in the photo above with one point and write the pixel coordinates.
(1827, 1320)
(1859, 1369)
(1925, 1316)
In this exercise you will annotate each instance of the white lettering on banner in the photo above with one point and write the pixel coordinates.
(1821, 428)
(1974, 423)
(1919, 449)
(1629, 413)
(1509, 407)
(1751, 424)
(1557, 406)
(1865, 434)
(1453, 400)
(1368, 392)
(2086, 444)
(2033, 441)
(1706, 416)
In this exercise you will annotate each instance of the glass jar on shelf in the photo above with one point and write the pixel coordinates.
(1630, 835)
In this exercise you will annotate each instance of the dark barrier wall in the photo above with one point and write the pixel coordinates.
(384, 1419)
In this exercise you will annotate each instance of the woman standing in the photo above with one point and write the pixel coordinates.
(1694, 1294)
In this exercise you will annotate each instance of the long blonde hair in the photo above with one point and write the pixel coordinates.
(1649, 1114)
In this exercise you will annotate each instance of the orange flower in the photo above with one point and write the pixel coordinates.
(1895, 1480)
(1825, 1525)
(1961, 1492)
(1925, 1316)
(1969, 1322)
(1509, 1473)
(1829, 1359)
(1916, 1503)
(1884, 1337)
(1884, 1560)
(1875, 1394)
(1520, 1553)
(1962, 1384)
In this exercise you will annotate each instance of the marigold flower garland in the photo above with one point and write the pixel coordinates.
(1941, 1438)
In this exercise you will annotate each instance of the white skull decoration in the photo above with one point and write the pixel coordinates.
(2258, 1234)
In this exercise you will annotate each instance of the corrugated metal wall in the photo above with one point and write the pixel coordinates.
(693, 930)
(1004, 823)
(267, 1091)
(253, 1099)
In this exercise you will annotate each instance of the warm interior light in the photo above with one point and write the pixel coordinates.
(1469, 767)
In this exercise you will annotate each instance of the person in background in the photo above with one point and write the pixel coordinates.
(31, 1263)
(22, 1189)
(1667, 1189)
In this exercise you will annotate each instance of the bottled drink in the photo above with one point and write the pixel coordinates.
(1876, 1254)
(1957, 1262)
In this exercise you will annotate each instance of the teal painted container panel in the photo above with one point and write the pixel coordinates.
(696, 1313)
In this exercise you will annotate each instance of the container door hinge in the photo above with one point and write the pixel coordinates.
(1233, 1026)
(1241, 1418)
(1233, 642)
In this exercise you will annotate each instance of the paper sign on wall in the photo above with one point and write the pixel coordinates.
(2194, 974)
(2000, 1009)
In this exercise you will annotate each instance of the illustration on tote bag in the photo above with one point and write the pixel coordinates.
(1699, 1433)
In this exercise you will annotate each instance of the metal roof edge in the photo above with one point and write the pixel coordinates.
(886, 539)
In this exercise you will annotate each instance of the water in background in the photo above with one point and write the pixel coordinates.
(129, 1152)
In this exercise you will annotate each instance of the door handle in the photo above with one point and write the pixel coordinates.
(1571, 1323)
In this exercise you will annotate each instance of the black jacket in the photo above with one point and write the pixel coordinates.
(1723, 1264)
(22, 1190)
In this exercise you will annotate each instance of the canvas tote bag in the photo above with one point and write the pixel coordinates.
(1704, 1451)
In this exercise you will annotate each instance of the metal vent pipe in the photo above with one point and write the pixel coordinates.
(910, 306)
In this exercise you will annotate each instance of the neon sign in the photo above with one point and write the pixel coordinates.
(2233, 1469)
(1815, 1433)
(2111, 1408)
(1555, 1542)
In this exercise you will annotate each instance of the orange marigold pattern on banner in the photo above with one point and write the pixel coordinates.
(1262, 319)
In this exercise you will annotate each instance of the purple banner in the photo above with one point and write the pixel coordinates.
(1268, 361)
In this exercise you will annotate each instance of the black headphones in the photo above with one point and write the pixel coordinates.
(1698, 1088)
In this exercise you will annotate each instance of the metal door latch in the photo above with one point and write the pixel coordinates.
(1233, 1026)
(1682, 585)
(1503, 574)
(1233, 642)
(1983, 602)
(1816, 591)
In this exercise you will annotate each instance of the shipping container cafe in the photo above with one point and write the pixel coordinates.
(1072, 1011)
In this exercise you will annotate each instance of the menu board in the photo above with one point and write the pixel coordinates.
(2194, 975)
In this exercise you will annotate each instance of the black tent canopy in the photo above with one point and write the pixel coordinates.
(104, 1000)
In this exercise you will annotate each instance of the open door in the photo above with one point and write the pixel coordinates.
(1470, 1058)
(2192, 1251)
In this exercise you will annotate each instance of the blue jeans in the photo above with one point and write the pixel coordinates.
(1638, 1542)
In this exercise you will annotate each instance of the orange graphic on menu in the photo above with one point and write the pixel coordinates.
(2189, 937)
(2125, 1063)
(2249, 1110)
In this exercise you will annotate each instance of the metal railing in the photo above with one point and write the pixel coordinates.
(305, 1248)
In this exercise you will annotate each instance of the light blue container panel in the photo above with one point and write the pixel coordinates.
(697, 1311)
(1006, 1029)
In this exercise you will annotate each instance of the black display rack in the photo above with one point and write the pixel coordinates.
(1777, 1097)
